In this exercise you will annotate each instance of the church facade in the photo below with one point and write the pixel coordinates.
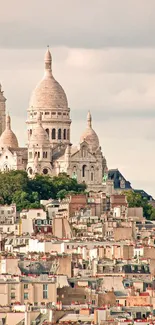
(49, 150)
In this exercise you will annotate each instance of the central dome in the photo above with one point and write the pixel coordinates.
(48, 94)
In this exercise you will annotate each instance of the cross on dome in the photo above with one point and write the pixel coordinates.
(48, 60)
(89, 119)
(8, 122)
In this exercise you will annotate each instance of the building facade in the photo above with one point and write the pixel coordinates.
(49, 150)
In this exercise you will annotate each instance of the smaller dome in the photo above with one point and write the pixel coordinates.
(39, 136)
(90, 135)
(8, 138)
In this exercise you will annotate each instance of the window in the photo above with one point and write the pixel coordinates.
(30, 131)
(47, 131)
(45, 171)
(38, 214)
(47, 113)
(6, 157)
(92, 174)
(30, 171)
(53, 134)
(64, 134)
(2, 211)
(26, 296)
(84, 170)
(45, 154)
(12, 295)
(59, 113)
(38, 154)
(25, 286)
(8, 229)
(67, 246)
(45, 291)
(93, 302)
(59, 134)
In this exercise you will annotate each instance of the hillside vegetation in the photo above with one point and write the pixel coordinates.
(16, 187)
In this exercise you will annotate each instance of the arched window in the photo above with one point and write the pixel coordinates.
(47, 131)
(92, 174)
(45, 154)
(53, 134)
(84, 170)
(30, 131)
(68, 134)
(59, 134)
(64, 134)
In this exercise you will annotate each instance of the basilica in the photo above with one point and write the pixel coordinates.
(49, 149)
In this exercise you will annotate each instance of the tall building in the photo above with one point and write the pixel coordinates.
(49, 150)
(2, 110)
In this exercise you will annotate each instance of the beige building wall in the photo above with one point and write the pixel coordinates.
(26, 292)
(138, 301)
(149, 252)
(10, 266)
(123, 233)
(65, 265)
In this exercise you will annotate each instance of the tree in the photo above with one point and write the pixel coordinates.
(26, 200)
(62, 194)
(136, 200)
(16, 187)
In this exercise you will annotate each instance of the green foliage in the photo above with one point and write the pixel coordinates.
(15, 186)
(61, 194)
(136, 200)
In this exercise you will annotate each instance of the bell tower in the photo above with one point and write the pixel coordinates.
(2, 111)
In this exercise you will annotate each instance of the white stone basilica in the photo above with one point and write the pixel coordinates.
(49, 150)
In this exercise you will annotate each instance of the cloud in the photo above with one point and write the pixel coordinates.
(103, 56)
(84, 24)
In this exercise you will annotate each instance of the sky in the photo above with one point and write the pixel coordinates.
(104, 57)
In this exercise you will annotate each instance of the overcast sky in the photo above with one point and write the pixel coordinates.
(104, 57)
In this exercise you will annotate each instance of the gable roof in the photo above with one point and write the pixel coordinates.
(117, 177)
